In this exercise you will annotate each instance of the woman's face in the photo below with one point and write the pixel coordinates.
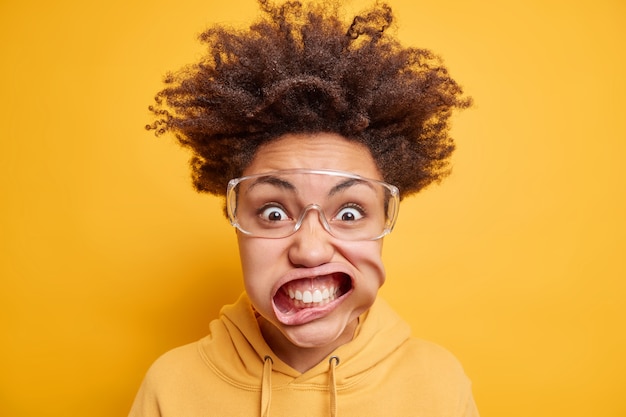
(311, 260)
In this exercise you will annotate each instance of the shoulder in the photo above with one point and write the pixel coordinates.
(168, 365)
(431, 360)
(185, 360)
(434, 378)
(427, 367)
(176, 381)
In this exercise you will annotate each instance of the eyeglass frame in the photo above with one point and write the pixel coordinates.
(394, 201)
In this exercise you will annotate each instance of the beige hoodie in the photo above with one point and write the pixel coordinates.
(233, 372)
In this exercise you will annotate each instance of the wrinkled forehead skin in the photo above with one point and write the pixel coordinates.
(311, 186)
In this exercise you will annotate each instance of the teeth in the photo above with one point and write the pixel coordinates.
(318, 296)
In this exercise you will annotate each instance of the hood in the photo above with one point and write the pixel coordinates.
(237, 351)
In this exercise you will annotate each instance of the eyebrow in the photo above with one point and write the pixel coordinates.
(281, 183)
(347, 184)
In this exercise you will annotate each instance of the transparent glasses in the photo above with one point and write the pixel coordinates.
(275, 204)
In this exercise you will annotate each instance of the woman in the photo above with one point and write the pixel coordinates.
(303, 124)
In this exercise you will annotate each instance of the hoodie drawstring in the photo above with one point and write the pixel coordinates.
(266, 387)
(334, 361)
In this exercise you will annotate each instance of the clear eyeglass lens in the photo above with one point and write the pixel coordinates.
(276, 204)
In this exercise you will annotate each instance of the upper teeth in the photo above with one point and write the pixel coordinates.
(315, 296)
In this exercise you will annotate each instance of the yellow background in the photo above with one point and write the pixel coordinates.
(515, 263)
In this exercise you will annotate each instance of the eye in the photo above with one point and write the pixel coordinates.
(273, 213)
(350, 213)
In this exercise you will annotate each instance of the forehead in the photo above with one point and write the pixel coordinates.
(314, 151)
(303, 180)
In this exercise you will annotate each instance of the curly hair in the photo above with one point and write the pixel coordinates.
(301, 69)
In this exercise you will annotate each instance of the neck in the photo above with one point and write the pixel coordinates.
(301, 358)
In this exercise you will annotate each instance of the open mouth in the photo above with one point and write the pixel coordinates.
(309, 298)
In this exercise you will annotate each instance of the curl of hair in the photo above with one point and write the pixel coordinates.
(300, 69)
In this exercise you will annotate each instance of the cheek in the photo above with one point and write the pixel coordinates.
(367, 258)
(258, 259)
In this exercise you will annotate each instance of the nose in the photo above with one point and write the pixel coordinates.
(312, 242)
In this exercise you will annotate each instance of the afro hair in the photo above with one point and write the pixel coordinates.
(302, 69)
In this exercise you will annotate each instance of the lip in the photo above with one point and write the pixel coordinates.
(312, 313)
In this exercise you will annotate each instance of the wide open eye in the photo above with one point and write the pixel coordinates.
(350, 213)
(273, 213)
